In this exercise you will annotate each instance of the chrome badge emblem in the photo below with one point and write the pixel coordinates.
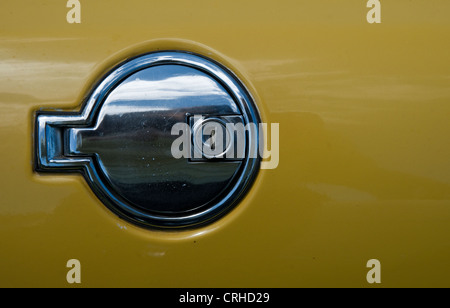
(127, 140)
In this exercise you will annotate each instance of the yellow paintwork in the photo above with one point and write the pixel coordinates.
(364, 113)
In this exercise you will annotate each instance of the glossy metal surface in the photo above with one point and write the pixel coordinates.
(122, 140)
(364, 154)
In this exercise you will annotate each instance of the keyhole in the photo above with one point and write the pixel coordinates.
(213, 140)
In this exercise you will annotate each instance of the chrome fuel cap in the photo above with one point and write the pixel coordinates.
(166, 140)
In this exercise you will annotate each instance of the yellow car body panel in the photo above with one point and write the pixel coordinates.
(364, 170)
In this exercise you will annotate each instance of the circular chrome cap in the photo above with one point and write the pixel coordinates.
(166, 140)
